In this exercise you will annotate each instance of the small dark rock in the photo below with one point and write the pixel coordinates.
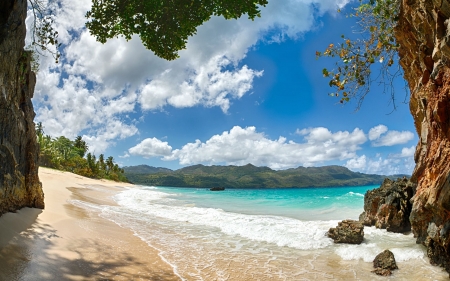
(217, 188)
(347, 231)
(384, 263)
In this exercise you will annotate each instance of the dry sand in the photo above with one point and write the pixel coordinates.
(64, 242)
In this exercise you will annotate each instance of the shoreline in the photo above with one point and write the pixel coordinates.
(83, 234)
(66, 242)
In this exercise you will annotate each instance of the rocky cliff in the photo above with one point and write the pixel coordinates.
(424, 34)
(389, 207)
(19, 182)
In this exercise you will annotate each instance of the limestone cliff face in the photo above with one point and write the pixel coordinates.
(19, 182)
(424, 35)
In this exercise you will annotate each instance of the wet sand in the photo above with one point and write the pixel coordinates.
(64, 242)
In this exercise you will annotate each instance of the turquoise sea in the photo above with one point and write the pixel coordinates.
(261, 234)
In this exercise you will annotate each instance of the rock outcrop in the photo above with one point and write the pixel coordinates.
(423, 32)
(347, 231)
(388, 207)
(384, 263)
(19, 182)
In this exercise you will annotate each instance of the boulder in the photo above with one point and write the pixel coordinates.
(384, 263)
(389, 207)
(347, 231)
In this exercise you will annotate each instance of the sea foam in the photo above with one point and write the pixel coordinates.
(377, 240)
(150, 205)
(278, 230)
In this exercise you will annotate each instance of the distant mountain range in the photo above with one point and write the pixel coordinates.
(250, 176)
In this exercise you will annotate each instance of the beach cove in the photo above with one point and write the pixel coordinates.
(103, 230)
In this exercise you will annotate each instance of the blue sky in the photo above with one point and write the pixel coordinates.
(242, 92)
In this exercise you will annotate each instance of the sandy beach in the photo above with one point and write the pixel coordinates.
(145, 233)
(64, 242)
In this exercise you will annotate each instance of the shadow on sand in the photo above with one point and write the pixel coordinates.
(26, 253)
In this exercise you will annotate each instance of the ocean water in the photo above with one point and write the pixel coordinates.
(260, 234)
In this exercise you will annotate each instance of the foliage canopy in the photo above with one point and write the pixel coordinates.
(353, 71)
(43, 32)
(163, 25)
(64, 154)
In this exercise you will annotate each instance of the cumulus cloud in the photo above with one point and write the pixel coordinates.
(377, 131)
(210, 85)
(320, 146)
(401, 163)
(95, 84)
(357, 163)
(151, 147)
(381, 136)
(408, 152)
(240, 146)
(99, 140)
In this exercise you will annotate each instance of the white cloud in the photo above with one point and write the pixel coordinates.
(408, 152)
(321, 135)
(377, 131)
(358, 163)
(151, 147)
(401, 163)
(210, 85)
(96, 84)
(125, 155)
(393, 138)
(240, 146)
(390, 166)
(381, 136)
(100, 140)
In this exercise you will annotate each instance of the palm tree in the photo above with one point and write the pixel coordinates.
(110, 163)
(101, 162)
(65, 147)
(81, 146)
(39, 129)
(40, 133)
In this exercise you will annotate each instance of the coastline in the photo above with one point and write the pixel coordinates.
(85, 235)
(65, 242)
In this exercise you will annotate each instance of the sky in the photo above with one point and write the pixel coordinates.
(241, 92)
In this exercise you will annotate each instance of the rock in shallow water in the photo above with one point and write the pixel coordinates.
(347, 231)
(388, 207)
(384, 263)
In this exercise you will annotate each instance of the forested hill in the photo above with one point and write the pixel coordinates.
(248, 176)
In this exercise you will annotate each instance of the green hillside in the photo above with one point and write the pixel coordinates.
(249, 176)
